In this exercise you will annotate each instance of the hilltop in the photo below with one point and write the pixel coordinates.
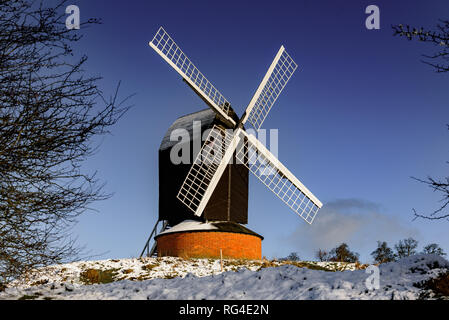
(420, 276)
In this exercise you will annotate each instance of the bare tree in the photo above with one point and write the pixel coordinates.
(406, 248)
(433, 248)
(322, 255)
(49, 112)
(438, 37)
(439, 60)
(441, 186)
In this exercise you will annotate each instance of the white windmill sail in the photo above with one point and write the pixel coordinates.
(208, 168)
(220, 145)
(166, 47)
(268, 169)
(277, 76)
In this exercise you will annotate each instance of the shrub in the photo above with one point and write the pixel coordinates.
(310, 266)
(29, 297)
(268, 264)
(292, 257)
(439, 286)
(149, 267)
(93, 276)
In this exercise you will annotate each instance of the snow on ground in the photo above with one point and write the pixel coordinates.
(153, 268)
(175, 278)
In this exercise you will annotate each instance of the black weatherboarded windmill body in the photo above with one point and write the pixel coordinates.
(229, 201)
(203, 205)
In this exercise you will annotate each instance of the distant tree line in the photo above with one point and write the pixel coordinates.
(404, 248)
(383, 253)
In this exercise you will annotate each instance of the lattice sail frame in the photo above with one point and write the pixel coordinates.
(268, 169)
(167, 48)
(207, 169)
(215, 155)
(274, 81)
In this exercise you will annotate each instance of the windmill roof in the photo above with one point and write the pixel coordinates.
(206, 116)
(214, 226)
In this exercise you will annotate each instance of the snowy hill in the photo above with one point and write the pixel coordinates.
(176, 278)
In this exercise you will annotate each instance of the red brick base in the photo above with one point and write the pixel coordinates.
(207, 244)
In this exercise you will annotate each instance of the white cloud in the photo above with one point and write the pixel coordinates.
(359, 223)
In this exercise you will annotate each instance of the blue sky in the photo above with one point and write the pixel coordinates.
(360, 116)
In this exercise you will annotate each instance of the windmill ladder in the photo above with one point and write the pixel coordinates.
(153, 250)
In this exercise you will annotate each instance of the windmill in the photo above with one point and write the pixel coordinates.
(209, 222)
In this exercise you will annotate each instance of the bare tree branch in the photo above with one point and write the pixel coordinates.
(439, 38)
(437, 185)
(50, 111)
